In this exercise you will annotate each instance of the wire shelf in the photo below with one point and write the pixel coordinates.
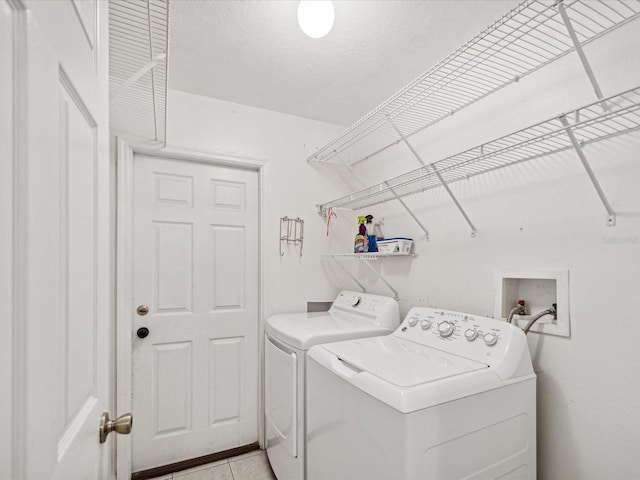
(138, 48)
(527, 38)
(365, 255)
(589, 124)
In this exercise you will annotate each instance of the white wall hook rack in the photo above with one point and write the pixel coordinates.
(291, 232)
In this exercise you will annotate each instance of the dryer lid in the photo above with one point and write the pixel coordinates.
(304, 330)
(401, 362)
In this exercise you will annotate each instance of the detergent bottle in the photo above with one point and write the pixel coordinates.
(360, 243)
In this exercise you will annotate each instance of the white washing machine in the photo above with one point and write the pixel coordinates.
(446, 396)
(287, 339)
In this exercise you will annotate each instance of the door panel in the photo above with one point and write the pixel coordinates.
(227, 267)
(173, 189)
(172, 387)
(195, 244)
(173, 267)
(227, 195)
(226, 364)
(78, 255)
(61, 257)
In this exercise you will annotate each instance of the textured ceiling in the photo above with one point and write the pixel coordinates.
(254, 53)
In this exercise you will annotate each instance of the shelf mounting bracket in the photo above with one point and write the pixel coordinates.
(581, 55)
(437, 173)
(348, 273)
(395, 292)
(350, 170)
(406, 207)
(137, 75)
(611, 216)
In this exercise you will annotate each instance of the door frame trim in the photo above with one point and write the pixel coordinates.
(125, 149)
(13, 237)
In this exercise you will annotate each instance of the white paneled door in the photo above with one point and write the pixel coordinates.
(53, 61)
(195, 270)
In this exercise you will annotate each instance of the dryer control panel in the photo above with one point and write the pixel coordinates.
(367, 309)
(471, 336)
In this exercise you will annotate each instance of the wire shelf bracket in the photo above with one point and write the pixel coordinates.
(350, 170)
(349, 274)
(583, 58)
(409, 211)
(442, 181)
(366, 257)
(611, 216)
(136, 76)
(383, 280)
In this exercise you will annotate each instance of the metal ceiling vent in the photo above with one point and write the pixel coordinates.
(138, 47)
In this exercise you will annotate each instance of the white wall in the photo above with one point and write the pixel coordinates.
(537, 215)
(543, 214)
(292, 187)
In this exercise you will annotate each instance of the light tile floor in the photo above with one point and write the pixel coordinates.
(249, 466)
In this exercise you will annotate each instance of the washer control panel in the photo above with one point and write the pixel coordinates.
(472, 336)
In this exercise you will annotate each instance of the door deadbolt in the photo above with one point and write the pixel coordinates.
(122, 424)
(142, 332)
(142, 310)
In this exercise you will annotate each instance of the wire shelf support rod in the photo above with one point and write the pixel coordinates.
(440, 178)
(583, 58)
(611, 216)
(333, 257)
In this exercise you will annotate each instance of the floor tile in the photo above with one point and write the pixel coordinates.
(217, 471)
(254, 467)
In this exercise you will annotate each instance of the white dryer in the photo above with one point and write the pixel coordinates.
(287, 339)
(446, 396)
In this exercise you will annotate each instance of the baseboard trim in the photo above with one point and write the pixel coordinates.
(193, 462)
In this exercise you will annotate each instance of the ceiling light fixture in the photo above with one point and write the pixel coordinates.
(316, 17)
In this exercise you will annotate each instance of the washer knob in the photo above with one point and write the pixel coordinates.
(490, 338)
(446, 329)
(471, 334)
(413, 321)
(425, 324)
(356, 301)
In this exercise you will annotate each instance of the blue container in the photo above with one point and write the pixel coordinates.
(373, 243)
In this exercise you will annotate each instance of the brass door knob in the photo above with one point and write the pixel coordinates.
(122, 424)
